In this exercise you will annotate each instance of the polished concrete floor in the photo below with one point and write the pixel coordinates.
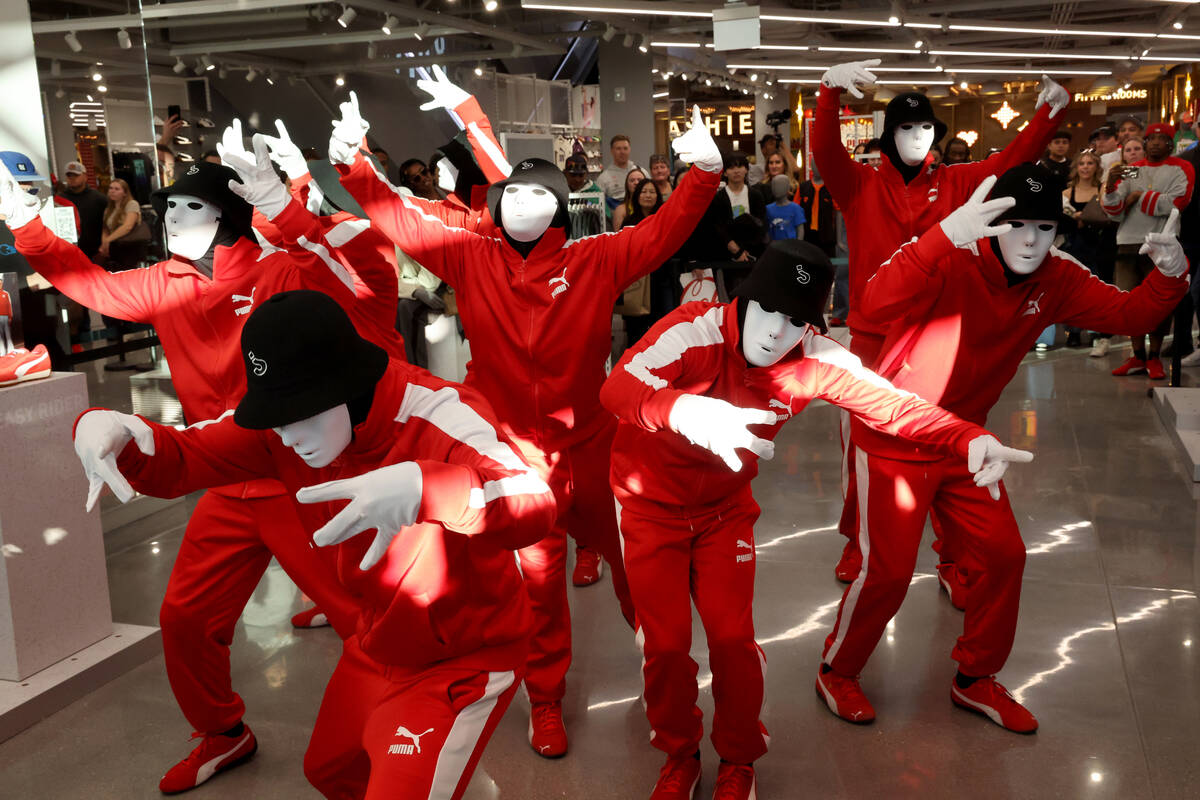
(1106, 652)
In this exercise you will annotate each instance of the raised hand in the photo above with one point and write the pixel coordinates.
(445, 94)
(988, 460)
(17, 206)
(387, 499)
(696, 145)
(721, 427)
(285, 153)
(1055, 95)
(100, 436)
(233, 142)
(348, 132)
(260, 186)
(850, 75)
(971, 221)
(1164, 248)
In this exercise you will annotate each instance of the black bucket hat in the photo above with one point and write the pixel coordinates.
(209, 182)
(792, 277)
(1038, 192)
(538, 171)
(303, 356)
(334, 196)
(911, 107)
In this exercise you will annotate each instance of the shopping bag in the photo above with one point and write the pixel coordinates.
(635, 301)
(702, 288)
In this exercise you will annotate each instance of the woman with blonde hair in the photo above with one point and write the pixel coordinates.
(1084, 240)
(632, 179)
(776, 165)
(121, 217)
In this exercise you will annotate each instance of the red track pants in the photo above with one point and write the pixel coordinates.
(867, 348)
(225, 551)
(897, 496)
(387, 734)
(672, 558)
(578, 476)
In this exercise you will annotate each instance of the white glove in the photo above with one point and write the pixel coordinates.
(720, 427)
(989, 460)
(386, 499)
(260, 186)
(444, 93)
(17, 206)
(846, 76)
(233, 142)
(100, 436)
(696, 146)
(969, 222)
(348, 132)
(1055, 95)
(1164, 248)
(285, 153)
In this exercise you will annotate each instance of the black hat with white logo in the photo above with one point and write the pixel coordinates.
(1038, 192)
(792, 277)
(303, 356)
(537, 171)
(911, 107)
(209, 182)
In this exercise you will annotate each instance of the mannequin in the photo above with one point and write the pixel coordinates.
(408, 470)
(234, 529)
(684, 483)
(887, 205)
(543, 369)
(986, 268)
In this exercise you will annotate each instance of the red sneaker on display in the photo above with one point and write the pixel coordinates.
(24, 365)
(986, 696)
(678, 779)
(1154, 369)
(952, 581)
(844, 697)
(1132, 366)
(588, 566)
(547, 736)
(850, 564)
(310, 618)
(215, 754)
(735, 782)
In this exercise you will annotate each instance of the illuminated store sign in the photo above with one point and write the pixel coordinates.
(1118, 94)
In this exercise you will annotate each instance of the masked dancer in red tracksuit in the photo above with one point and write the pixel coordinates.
(537, 310)
(889, 203)
(964, 303)
(444, 622)
(688, 395)
(197, 302)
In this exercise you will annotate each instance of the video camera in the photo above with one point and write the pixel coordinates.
(780, 117)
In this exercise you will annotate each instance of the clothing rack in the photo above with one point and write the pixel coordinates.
(585, 210)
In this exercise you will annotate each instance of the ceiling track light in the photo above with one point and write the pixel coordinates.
(60, 93)
(609, 33)
(73, 42)
(251, 74)
(97, 77)
(490, 5)
(55, 67)
(348, 15)
(199, 67)
(389, 24)
(222, 73)
(102, 88)
(209, 66)
(644, 43)
(123, 40)
(179, 67)
(628, 40)
(371, 50)
(421, 31)
(270, 79)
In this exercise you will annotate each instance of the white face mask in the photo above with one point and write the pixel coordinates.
(448, 177)
(526, 210)
(1026, 245)
(913, 140)
(768, 336)
(191, 225)
(320, 439)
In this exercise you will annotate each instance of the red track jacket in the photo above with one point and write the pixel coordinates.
(199, 320)
(882, 212)
(540, 327)
(448, 587)
(958, 331)
(695, 350)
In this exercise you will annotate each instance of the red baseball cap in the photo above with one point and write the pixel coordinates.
(1161, 128)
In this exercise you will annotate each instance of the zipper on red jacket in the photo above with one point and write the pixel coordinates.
(537, 404)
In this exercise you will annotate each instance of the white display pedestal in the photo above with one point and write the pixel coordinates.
(1179, 409)
(53, 582)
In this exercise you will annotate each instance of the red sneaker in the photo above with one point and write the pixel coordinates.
(850, 564)
(215, 754)
(735, 782)
(24, 365)
(1154, 369)
(837, 322)
(678, 779)
(310, 618)
(844, 697)
(588, 566)
(986, 696)
(1132, 366)
(952, 581)
(547, 736)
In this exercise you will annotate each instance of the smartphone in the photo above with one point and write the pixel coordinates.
(174, 111)
(1131, 172)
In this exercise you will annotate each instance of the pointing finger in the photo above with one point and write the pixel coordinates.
(697, 120)
(324, 492)
(1172, 226)
(344, 524)
(376, 551)
(283, 134)
(994, 491)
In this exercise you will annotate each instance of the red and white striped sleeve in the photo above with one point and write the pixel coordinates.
(1173, 192)
(832, 373)
(480, 485)
(488, 152)
(686, 343)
